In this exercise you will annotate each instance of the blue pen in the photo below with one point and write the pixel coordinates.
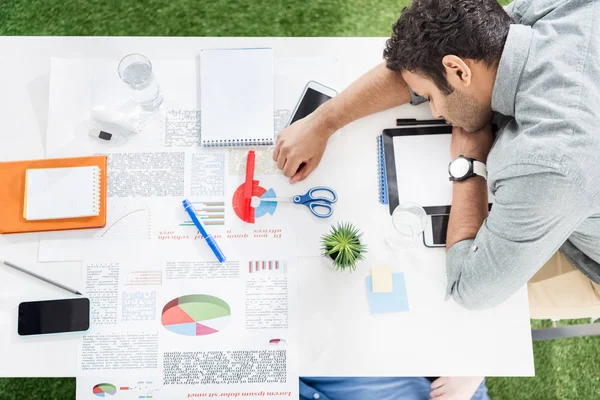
(209, 239)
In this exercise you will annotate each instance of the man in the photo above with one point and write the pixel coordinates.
(413, 388)
(534, 68)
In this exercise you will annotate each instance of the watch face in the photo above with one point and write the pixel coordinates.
(459, 168)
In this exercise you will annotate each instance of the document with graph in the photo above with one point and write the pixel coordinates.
(144, 203)
(190, 327)
(145, 190)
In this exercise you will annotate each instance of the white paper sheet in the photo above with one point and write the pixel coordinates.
(422, 169)
(175, 327)
(145, 194)
(76, 86)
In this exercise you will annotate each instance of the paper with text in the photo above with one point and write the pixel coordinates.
(189, 327)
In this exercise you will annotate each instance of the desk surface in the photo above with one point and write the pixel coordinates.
(337, 334)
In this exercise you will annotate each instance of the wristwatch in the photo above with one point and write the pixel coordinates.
(464, 168)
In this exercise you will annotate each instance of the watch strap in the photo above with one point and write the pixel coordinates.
(480, 169)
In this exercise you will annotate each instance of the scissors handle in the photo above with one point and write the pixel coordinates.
(314, 206)
(316, 193)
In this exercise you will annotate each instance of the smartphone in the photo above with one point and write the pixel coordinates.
(435, 233)
(54, 316)
(312, 97)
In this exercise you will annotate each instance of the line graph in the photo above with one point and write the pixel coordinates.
(126, 223)
(117, 221)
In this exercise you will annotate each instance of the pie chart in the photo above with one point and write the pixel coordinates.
(196, 315)
(264, 208)
(104, 389)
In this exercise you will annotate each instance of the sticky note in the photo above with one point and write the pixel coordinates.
(394, 301)
(382, 279)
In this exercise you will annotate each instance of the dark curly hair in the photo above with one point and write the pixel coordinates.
(428, 30)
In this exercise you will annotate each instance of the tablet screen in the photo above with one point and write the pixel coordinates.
(422, 169)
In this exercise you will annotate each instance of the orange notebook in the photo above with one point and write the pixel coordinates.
(12, 196)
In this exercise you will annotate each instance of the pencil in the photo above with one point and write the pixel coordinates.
(23, 270)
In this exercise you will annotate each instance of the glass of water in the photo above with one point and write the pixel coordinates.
(408, 221)
(136, 71)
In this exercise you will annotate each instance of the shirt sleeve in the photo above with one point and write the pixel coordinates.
(535, 210)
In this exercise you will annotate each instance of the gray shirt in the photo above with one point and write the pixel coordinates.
(544, 167)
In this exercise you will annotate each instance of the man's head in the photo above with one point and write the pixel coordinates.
(448, 52)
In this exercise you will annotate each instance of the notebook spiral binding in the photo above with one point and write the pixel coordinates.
(97, 193)
(383, 189)
(238, 142)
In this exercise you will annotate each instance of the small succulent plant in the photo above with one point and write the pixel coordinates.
(343, 246)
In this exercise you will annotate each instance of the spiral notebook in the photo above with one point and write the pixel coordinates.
(57, 193)
(236, 97)
(42, 188)
(383, 188)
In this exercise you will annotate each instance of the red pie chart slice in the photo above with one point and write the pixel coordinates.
(196, 315)
(238, 200)
(104, 389)
(175, 315)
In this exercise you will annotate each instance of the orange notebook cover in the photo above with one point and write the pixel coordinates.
(12, 196)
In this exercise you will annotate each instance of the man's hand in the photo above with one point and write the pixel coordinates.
(475, 145)
(300, 147)
(456, 388)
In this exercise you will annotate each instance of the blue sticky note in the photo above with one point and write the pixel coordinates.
(394, 301)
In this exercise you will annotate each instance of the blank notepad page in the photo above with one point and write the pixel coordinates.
(236, 96)
(56, 193)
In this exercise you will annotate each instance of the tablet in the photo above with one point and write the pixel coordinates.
(416, 160)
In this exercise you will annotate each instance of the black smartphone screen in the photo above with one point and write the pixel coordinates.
(439, 225)
(309, 103)
(54, 316)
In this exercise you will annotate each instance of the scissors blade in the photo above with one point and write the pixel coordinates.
(276, 199)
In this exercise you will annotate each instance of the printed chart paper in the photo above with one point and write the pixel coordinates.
(189, 327)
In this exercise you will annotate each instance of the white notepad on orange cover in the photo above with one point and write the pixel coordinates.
(56, 193)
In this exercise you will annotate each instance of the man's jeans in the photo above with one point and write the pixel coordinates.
(372, 389)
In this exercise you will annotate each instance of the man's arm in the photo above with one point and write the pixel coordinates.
(377, 90)
(536, 209)
(469, 198)
(304, 141)
(469, 210)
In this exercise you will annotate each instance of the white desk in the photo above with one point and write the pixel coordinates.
(337, 334)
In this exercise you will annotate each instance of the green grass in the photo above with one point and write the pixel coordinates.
(199, 17)
(566, 369)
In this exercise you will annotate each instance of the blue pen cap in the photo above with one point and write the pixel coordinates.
(186, 204)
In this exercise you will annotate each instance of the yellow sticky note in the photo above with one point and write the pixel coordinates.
(381, 278)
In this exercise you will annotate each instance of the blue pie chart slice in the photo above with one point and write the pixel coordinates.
(266, 207)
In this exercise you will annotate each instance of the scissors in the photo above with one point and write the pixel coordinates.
(318, 200)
